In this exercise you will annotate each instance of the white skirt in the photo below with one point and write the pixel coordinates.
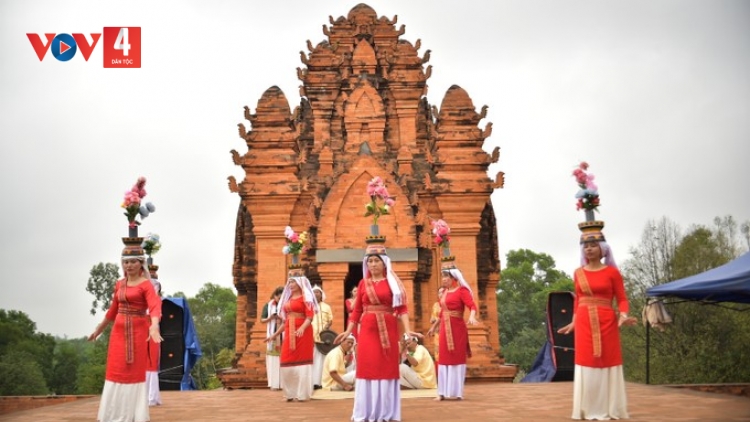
(377, 400)
(273, 367)
(451, 380)
(123, 403)
(599, 393)
(296, 381)
(152, 384)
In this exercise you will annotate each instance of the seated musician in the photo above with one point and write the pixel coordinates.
(337, 369)
(418, 368)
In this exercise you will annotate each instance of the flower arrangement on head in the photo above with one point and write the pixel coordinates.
(295, 242)
(588, 195)
(441, 231)
(132, 203)
(378, 193)
(151, 244)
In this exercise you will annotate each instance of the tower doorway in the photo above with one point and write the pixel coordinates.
(351, 281)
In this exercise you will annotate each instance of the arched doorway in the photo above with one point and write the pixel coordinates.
(351, 281)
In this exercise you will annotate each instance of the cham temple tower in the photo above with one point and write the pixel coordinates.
(363, 113)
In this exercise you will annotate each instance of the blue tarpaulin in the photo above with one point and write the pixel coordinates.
(555, 359)
(543, 369)
(727, 283)
(192, 346)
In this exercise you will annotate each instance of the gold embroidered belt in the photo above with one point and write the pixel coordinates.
(447, 315)
(291, 318)
(592, 303)
(132, 312)
(129, 313)
(380, 311)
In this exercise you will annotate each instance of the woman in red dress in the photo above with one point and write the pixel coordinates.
(380, 304)
(454, 336)
(154, 352)
(135, 312)
(349, 303)
(297, 308)
(599, 383)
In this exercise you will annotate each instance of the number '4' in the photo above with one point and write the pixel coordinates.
(121, 43)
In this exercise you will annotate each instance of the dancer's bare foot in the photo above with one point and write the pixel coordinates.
(439, 398)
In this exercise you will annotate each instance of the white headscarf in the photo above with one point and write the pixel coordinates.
(309, 296)
(397, 288)
(609, 258)
(322, 293)
(456, 274)
(157, 286)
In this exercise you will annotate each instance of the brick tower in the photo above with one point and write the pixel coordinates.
(363, 113)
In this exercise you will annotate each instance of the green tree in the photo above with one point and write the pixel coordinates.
(214, 311)
(21, 375)
(18, 337)
(651, 261)
(65, 368)
(101, 284)
(526, 282)
(93, 365)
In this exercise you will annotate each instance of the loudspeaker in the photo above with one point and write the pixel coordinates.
(172, 362)
(560, 314)
(171, 323)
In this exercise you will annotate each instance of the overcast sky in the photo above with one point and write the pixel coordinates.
(655, 95)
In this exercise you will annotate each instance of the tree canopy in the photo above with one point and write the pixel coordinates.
(522, 300)
(101, 284)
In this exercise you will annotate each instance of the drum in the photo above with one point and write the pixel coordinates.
(326, 341)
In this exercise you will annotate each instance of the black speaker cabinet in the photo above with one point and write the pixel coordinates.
(560, 314)
(172, 316)
(171, 364)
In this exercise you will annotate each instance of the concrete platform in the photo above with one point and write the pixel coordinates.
(484, 402)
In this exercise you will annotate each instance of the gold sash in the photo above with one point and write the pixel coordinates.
(125, 309)
(379, 311)
(291, 318)
(591, 303)
(447, 315)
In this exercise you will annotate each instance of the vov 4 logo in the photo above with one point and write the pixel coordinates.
(122, 46)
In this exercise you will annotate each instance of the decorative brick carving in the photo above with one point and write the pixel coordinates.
(363, 114)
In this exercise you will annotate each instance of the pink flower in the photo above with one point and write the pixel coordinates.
(295, 242)
(132, 201)
(440, 227)
(441, 230)
(131, 198)
(139, 186)
(376, 190)
(373, 185)
(588, 195)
